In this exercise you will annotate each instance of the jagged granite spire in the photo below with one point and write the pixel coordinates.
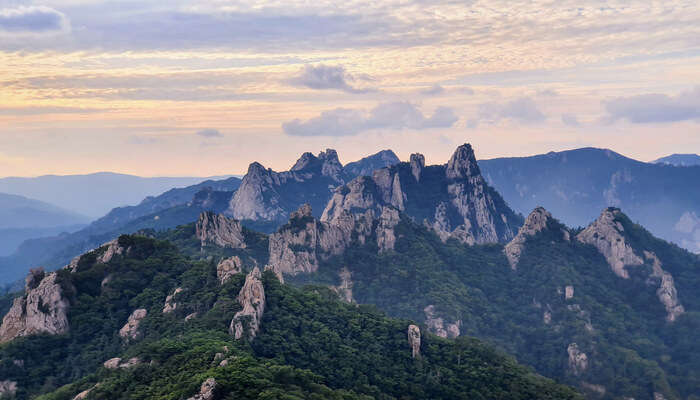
(538, 220)
(453, 199)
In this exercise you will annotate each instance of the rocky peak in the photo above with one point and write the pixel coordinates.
(206, 391)
(304, 211)
(252, 299)
(417, 164)
(219, 230)
(454, 200)
(414, 340)
(327, 164)
(228, 267)
(42, 309)
(667, 293)
(33, 278)
(536, 222)
(607, 234)
(367, 165)
(462, 164)
(305, 161)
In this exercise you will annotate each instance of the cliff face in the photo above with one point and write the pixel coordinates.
(536, 222)
(452, 199)
(414, 340)
(42, 309)
(219, 230)
(607, 234)
(299, 246)
(252, 299)
(272, 196)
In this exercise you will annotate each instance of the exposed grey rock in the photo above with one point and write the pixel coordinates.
(268, 195)
(190, 316)
(170, 304)
(598, 390)
(114, 363)
(547, 317)
(456, 197)
(228, 267)
(578, 360)
(84, 394)
(386, 238)
(8, 388)
(667, 293)
(438, 326)
(252, 299)
(606, 234)
(417, 164)
(206, 391)
(414, 340)
(219, 230)
(293, 249)
(371, 163)
(113, 249)
(42, 309)
(344, 290)
(568, 292)
(536, 222)
(130, 330)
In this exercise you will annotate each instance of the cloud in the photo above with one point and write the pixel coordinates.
(655, 108)
(35, 20)
(523, 110)
(329, 77)
(433, 90)
(210, 133)
(347, 122)
(570, 120)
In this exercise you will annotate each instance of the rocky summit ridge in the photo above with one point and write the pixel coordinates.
(452, 199)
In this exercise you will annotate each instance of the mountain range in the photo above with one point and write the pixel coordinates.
(575, 185)
(92, 195)
(214, 309)
(679, 160)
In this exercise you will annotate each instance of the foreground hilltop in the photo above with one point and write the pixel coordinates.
(137, 319)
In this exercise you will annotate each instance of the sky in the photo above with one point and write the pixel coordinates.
(201, 88)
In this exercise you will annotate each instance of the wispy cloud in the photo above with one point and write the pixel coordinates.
(34, 20)
(570, 120)
(655, 107)
(393, 116)
(523, 110)
(209, 133)
(330, 77)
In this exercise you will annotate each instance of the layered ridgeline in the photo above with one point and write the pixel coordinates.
(576, 184)
(137, 319)
(609, 308)
(266, 199)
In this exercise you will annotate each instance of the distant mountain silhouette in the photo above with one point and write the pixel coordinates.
(679, 160)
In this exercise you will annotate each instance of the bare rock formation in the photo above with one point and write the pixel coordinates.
(667, 293)
(113, 249)
(344, 290)
(536, 222)
(606, 234)
(206, 391)
(414, 340)
(114, 363)
(438, 326)
(8, 388)
(568, 292)
(228, 267)
(458, 202)
(578, 360)
(252, 299)
(293, 248)
(42, 309)
(170, 304)
(388, 219)
(219, 230)
(130, 330)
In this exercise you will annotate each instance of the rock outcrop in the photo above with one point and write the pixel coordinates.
(453, 199)
(667, 293)
(536, 222)
(113, 249)
(344, 289)
(221, 231)
(568, 292)
(130, 330)
(300, 245)
(206, 391)
(578, 360)
(438, 326)
(271, 196)
(371, 163)
(170, 304)
(414, 340)
(228, 267)
(8, 388)
(42, 309)
(114, 363)
(252, 299)
(606, 234)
